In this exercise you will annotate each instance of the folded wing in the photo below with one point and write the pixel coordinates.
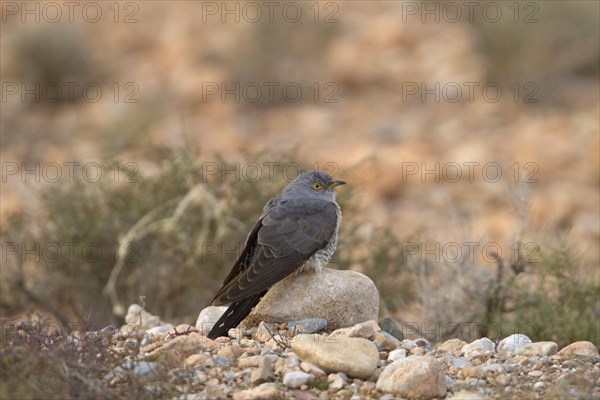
(288, 233)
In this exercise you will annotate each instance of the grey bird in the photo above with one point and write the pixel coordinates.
(297, 232)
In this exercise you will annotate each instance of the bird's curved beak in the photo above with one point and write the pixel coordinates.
(336, 183)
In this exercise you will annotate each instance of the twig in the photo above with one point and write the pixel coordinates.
(212, 208)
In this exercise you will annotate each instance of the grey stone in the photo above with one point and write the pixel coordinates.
(308, 325)
(390, 326)
(159, 330)
(295, 379)
(356, 357)
(460, 363)
(424, 343)
(498, 368)
(420, 377)
(343, 298)
(139, 368)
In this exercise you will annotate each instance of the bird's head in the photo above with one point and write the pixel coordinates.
(316, 184)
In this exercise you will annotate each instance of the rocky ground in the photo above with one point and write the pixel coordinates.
(296, 360)
(369, 360)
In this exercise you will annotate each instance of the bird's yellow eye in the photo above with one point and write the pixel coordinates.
(317, 186)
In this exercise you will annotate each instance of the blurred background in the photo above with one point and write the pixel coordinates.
(140, 141)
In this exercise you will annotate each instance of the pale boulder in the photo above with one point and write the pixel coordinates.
(344, 298)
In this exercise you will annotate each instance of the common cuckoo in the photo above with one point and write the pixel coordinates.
(297, 232)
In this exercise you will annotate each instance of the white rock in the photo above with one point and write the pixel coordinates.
(207, 318)
(336, 382)
(397, 354)
(266, 391)
(479, 346)
(312, 369)
(295, 379)
(343, 298)
(468, 395)
(513, 342)
(416, 377)
(365, 330)
(538, 349)
(356, 357)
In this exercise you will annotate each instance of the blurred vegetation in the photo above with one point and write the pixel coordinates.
(272, 52)
(561, 304)
(539, 292)
(532, 44)
(170, 237)
(51, 56)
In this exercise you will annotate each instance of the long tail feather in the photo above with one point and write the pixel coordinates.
(235, 314)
